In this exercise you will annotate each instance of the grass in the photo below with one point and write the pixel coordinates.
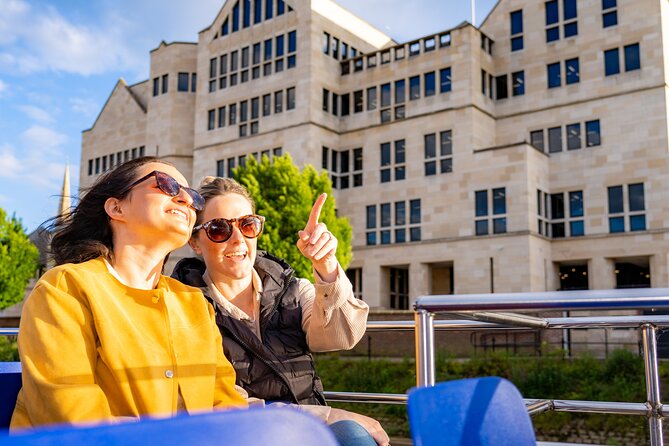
(618, 378)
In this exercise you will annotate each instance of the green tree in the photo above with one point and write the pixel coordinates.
(18, 260)
(285, 196)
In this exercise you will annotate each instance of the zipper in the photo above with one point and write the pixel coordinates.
(266, 362)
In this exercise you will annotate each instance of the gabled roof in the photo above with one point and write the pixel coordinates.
(120, 86)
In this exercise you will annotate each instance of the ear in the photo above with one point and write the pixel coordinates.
(195, 245)
(114, 208)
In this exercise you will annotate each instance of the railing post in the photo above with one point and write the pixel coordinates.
(649, 339)
(425, 370)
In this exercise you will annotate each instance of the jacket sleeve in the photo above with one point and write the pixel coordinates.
(58, 347)
(226, 395)
(332, 318)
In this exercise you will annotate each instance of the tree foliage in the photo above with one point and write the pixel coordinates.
(18, 260)
(284, 195)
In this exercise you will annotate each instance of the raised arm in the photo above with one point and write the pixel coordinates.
(332, 318)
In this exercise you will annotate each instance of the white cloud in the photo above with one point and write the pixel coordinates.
(36, 113)
(41, 39)
(3, 88)
(41, 169)
(38, 139)
(85, 106)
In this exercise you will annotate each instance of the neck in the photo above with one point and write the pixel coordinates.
(138, 266)
(237, 291)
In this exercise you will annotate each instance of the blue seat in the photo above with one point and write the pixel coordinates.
(10, 384)
(470, 412)
(258, 427)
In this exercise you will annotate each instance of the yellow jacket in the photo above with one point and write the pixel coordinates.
(93, 350)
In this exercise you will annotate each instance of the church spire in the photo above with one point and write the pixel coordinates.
(65, 203)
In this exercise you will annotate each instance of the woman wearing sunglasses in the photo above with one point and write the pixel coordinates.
(104, 336)
(270, 320)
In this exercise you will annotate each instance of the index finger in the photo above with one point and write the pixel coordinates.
(315, 212)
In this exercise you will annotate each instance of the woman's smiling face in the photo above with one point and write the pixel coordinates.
(235, 257)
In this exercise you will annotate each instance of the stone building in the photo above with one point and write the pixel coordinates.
(527, 154)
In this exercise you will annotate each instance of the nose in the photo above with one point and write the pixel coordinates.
(236, 233)
(184, 198)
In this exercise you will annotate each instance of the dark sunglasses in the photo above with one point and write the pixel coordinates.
(171, 187)
(219, 230)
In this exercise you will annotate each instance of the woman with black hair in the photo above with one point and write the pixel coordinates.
(104, 336)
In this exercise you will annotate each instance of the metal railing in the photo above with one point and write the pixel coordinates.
(491, 312)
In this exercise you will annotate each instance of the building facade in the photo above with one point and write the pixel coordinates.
(528, 154)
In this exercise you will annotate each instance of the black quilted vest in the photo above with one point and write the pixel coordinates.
(281, 367)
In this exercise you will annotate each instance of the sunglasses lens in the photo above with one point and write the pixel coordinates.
(219, 230)
(250, 226)
(198, 201)
(167, 184)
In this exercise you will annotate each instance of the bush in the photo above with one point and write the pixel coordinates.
(8, 349)
(618, 378)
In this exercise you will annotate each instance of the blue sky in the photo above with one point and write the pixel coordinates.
(59, 61)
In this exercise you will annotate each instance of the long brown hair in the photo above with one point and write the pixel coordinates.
(85, 233)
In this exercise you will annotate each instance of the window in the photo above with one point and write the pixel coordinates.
(371, 98)
(221, 116)
(371, 224)
(346, 170)
(290, 98)
(501, 87)
(90, 167)
(414, 88)
(555, 140)
(553, 71)
(266, 105)
(611, 62)
(156, 86)
(385, 95)
(609, 13)
(257, 11)
(565, 224)
(220, 168)
(414, 49)
(345, 104)
(399, 288)
(632, 59)
(569, 13)
(326, 100)
(573, 136)
(247, 13)
(193, 82)
(445, 80)
(164, 84)
(543, 225)
(357, 101)
(393, 161)
(571, 68)
(516, 18)
(400, 91)
(335, 48)
(592, 133)
(537, 139)
(335, 104)
(552, 19)
(633, 208)
(485, 200)
(441, 160)
(232, 114)
(429, 79)
(518, 83)
(355, 277)
(235, 17)
(182, 84)
(326, 42)
(278, 101)
(211, 122)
